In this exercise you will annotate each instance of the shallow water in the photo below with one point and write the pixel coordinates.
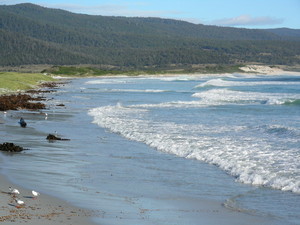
(136, 142)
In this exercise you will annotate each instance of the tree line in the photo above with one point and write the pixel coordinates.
(30, 34)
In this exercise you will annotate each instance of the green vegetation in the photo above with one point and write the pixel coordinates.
(214, 69)
(30, 34)
(81, 71)
(11, 82)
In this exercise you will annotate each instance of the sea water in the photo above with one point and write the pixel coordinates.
(137, 141)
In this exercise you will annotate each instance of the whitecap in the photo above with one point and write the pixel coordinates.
(220, 82)
(227, 96)
(251, 160)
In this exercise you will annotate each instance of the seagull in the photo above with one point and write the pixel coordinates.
(35, 194)
(20, 203)
(56, 134)
(14, 191)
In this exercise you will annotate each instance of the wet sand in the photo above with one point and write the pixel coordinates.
(40, 210)
(43, 209)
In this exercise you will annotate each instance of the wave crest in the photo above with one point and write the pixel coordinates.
(226, 96)
(251, 160)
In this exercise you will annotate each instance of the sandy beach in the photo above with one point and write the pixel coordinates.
(41, 210)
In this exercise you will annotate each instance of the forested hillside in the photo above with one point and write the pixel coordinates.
(30, 34)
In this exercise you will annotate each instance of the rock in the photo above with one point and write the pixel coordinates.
(10, 147)
(52, 137)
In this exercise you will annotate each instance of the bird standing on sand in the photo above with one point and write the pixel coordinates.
(14, 191)
(35, 194)
(22, 122)
(20, 203)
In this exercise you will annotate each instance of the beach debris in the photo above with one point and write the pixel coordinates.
(22, 123)
(35, 194)
(20, 203)
(10, 147)
(14, 191)
(20, 101)
(52, 137)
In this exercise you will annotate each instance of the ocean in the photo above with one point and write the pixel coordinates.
(139, 144)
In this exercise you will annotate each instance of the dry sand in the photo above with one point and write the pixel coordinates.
(44, 209)
(267, 70)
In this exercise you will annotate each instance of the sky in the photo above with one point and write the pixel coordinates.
(258, 14)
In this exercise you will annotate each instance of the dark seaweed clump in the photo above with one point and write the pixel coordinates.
(10, 147)
(20, 101)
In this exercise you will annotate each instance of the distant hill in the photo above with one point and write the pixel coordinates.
(291, 34)
(31, 34)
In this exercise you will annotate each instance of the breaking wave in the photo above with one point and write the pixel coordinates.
(295, 102)
(226, 96)
(250, 159)
(134, 90)
(220, 82)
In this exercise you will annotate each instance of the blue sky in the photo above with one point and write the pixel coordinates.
(234, 13)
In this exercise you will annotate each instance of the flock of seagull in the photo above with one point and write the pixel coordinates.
(20, 203)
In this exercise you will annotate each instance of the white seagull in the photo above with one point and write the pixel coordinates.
(35, 194)
(14, 191)
(20, 203)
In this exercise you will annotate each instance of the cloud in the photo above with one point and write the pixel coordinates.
(247, 20)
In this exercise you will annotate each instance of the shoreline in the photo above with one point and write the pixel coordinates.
(52, 210)
(44, 209)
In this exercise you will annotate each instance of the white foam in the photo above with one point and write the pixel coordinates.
(250, 160)
(225, 96)
(135, 90)
(220, 82)
(174, 104)
(178, 78)
(107, 81)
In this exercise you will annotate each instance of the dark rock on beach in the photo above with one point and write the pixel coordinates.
(52, 137)
(10, 147)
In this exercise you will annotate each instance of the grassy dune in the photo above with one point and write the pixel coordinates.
(13, 82)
